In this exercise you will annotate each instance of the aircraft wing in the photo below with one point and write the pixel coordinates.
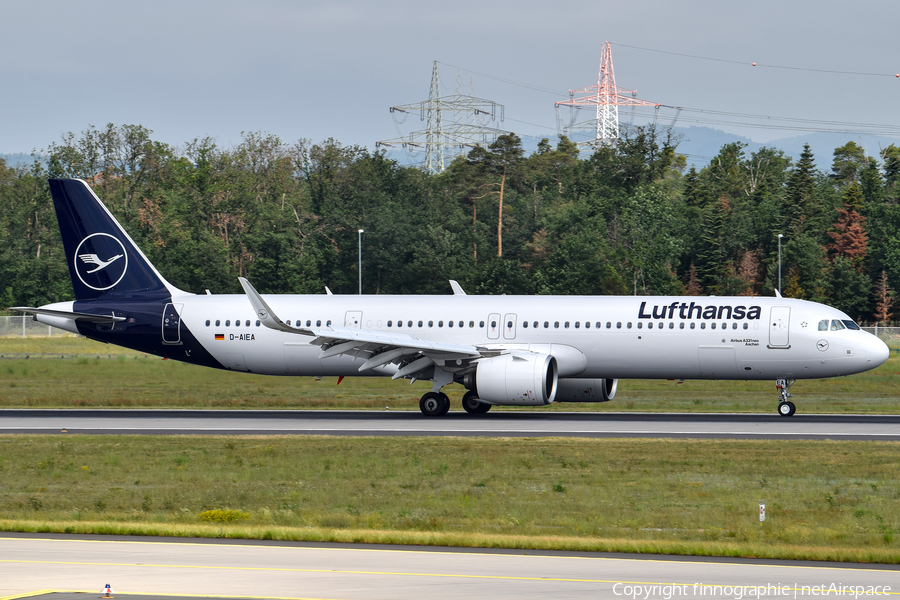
(415, 355)
(78, 316)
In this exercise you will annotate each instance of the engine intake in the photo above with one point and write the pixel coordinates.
(520, 379)
(587, 390)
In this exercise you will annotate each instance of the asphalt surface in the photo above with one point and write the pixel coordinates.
(153, 567)
(413, 423)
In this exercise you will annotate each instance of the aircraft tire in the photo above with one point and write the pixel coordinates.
(473, 406)
(433, 405)
(787, 409)
(445, 404)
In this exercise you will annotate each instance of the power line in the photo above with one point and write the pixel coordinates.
(738, 62)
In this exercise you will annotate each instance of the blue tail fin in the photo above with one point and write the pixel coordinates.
(104, 262)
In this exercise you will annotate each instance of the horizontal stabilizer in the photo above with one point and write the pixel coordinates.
(70, 315)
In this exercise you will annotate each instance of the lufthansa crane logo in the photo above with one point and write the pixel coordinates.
(100, 261)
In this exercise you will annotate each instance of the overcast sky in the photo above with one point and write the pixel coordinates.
(188, 69)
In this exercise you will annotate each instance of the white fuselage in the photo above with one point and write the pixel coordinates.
(591, 337)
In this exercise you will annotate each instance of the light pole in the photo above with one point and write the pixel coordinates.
(360, 263)
(779, 263)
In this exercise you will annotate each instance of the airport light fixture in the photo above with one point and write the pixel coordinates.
(779, 263)
(361, 231)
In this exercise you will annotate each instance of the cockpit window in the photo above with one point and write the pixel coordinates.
(851, 325)
(823, 325)
(837, 325)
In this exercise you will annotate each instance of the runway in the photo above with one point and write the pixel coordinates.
(409, 423)
(31, 563)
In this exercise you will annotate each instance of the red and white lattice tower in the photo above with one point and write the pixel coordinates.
(606, 97)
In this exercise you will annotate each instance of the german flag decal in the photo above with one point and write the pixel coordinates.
(220, 336)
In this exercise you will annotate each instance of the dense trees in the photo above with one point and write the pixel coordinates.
(623, 220)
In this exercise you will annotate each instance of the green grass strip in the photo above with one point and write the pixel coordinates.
(135, 381)
(825, 500)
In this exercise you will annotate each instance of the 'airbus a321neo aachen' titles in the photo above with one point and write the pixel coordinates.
(506, 350)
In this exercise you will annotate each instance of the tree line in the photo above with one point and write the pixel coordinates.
(626, 219)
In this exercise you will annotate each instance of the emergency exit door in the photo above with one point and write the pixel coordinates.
(779, 327)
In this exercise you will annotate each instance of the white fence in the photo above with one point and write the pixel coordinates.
(26, 326)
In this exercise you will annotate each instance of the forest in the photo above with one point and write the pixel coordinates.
(626, 219)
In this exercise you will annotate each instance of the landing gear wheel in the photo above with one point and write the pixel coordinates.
(434, 404)
(473, 405)
(787, 409)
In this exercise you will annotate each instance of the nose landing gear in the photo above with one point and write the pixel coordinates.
(786, 408)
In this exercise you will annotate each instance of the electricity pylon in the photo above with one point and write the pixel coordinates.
(445, 138)
(606, 98)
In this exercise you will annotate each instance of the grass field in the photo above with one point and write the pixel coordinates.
(825, 500)
(46, 380)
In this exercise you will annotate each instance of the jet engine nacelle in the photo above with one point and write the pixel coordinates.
(587, 390)
(520, 379)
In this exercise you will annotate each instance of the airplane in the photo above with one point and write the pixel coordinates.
(506, 350)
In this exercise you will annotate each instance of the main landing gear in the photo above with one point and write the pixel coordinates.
(437, 404)
(434, 404)
(786, 408)
(473, 405)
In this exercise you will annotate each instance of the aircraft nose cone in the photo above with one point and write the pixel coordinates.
(877, 352)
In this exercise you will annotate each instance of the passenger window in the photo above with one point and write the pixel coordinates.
(431, 323)
(298, 323)
(641, 325)
(672, 325)
(837, 325)
(660, 325)
(711, 325)
(681, 325)
(702, 325)
(308, 323)
(247, 323)
(390, 323)
(587, 324)
(440, 323)
(629, 325)
(493, 324)
(556, 325)
(619, 325)
(481, 323)
(597, 324)
(318, 323)
(409, 323)
(577, 325)
(328, 323)
(546, 324)
(228, 323)
(566, 325)
(525, 324)
(237, 323)
(734, 325)
(218, 322)
(461, 323)
(608, 325)
(746, 326)
(535, 324)
(207, 322)
(399, 323)
(420, 323)
(823, 325)
(449, 323)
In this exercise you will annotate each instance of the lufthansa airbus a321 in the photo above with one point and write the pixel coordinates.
(506, 350)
